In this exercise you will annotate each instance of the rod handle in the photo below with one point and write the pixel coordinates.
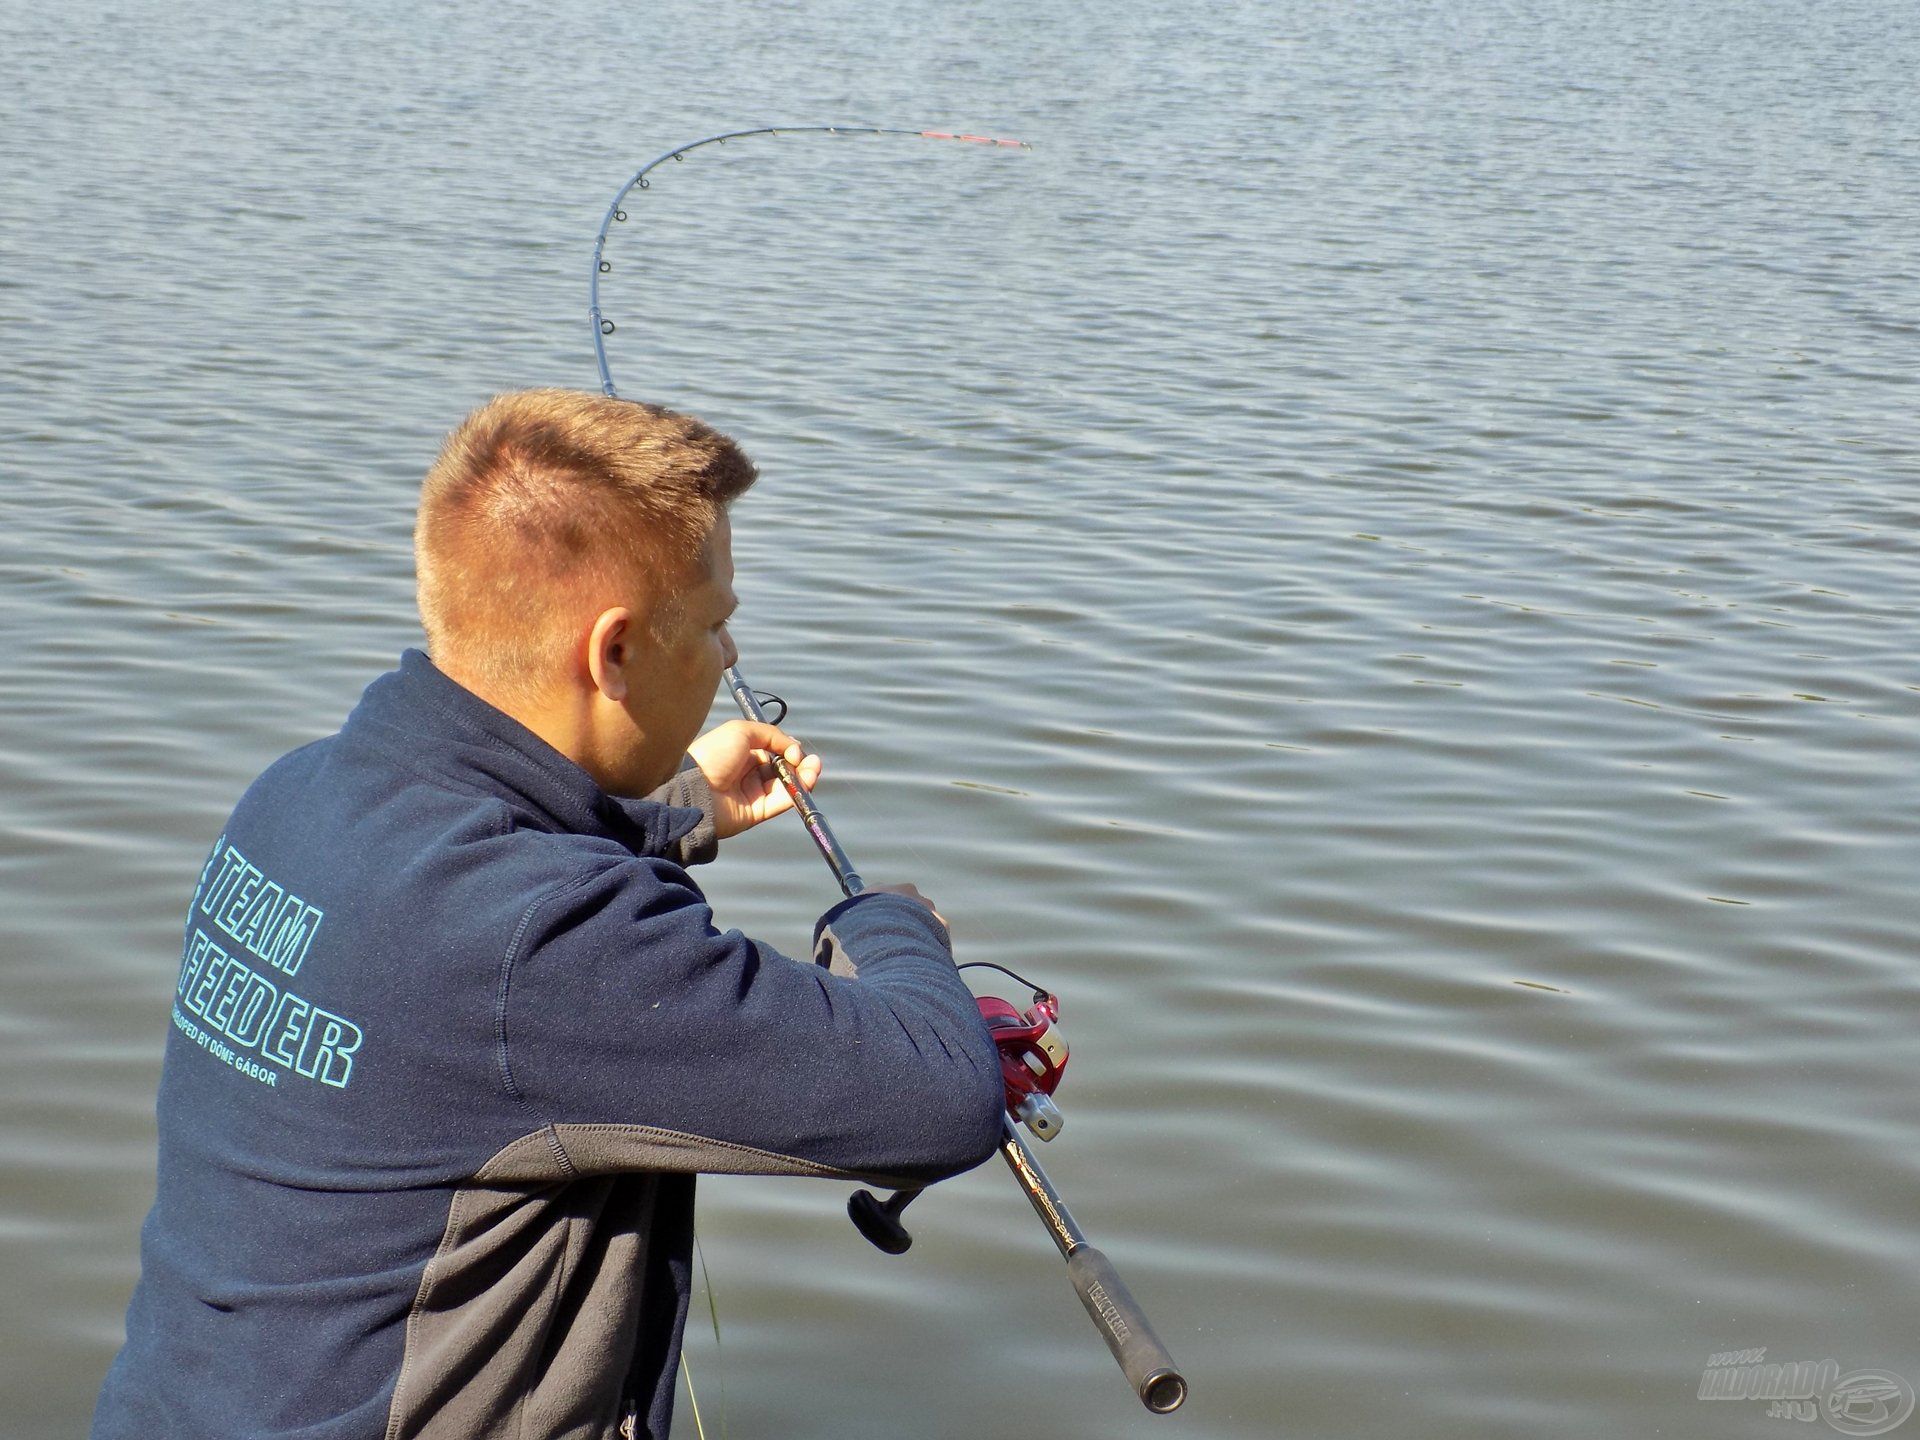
(1148, 1368)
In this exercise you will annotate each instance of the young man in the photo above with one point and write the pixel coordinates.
(454, 1030)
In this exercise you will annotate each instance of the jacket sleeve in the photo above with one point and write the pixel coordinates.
(649, 1040)
(689, 790)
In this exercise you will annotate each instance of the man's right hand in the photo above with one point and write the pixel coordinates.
(912, 892)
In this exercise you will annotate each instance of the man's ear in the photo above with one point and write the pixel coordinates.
(610, 653)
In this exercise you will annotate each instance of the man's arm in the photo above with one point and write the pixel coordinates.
(651, 1041)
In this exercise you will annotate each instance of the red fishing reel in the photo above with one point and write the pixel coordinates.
(1033, 1056)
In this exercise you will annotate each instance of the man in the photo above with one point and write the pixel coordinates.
(454, 1029)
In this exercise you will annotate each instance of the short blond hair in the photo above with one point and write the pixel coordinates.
(546, 507)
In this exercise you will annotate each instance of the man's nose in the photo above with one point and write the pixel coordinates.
(728, 648)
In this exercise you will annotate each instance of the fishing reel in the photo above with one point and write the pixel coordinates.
(1033, 1057)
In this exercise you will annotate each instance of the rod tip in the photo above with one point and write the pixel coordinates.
(975, 139)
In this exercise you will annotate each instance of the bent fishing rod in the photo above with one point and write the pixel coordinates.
(617, 215)
(1032, 1052)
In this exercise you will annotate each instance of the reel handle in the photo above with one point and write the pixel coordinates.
(879, 1220)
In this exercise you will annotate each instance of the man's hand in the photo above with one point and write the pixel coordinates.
(737, 759)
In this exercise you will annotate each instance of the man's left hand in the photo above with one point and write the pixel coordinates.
(737, 759)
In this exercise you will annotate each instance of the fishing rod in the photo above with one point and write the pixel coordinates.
(1031, 1050)
(1118, 1316)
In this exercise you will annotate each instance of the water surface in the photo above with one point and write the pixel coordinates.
(1378, 560)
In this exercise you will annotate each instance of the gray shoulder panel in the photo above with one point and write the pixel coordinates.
(525, 1320)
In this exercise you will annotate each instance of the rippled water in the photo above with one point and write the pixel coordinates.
(1378, 559)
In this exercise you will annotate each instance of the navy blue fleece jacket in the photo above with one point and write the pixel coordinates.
(452, 1033)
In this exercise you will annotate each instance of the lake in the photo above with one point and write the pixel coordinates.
(1378, 559)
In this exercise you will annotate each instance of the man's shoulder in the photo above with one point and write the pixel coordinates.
(374, 830)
